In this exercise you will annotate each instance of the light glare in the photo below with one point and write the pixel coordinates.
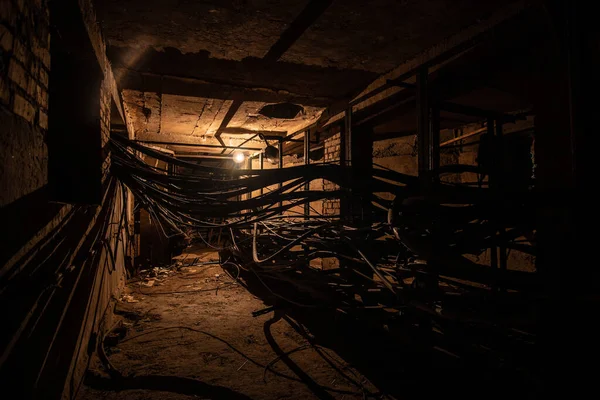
(238, 157)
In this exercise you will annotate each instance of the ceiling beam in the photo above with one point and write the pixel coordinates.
(180, 86)
(301, 23)
(476, 112)
(280, 78)
(204, 156)
(204, 146)
(242, 144)
(391, 135)
(233, 108)
(244, 131)
(388, 84)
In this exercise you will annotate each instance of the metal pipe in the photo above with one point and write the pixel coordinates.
(465, 136)
(216, 156)
(208, 146)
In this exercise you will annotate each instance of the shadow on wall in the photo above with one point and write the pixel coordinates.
(57, 290)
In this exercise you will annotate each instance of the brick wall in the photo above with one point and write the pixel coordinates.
(332, 155)
(105, 108)
(330, 206)
(466, 153)
(24, 80)
(56, 277)
(401, 155)
(25, 65)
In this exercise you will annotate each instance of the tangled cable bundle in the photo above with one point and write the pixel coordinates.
(415, 254)
(191, 199)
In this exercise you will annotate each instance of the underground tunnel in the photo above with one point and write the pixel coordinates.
(299, 199)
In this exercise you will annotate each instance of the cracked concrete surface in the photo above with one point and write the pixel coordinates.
(373, 35)
(232, 29)
(223, 42)
(171, 117)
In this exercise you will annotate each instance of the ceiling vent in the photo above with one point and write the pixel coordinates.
(282, 110)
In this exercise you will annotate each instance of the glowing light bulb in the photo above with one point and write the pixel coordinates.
(238, 157)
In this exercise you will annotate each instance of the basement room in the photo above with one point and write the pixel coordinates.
(297, 199)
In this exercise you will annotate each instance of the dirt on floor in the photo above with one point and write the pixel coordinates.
(189, 332)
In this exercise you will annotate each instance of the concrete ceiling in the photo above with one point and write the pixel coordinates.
(193, 69)
(168, 117)
(372, 35)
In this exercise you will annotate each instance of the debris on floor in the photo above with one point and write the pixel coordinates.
(171, 339)
(129, 299)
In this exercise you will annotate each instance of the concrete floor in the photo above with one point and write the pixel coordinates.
(180, 338)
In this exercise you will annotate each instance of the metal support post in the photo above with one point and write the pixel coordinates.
(500, 184)
(346, 158)
(492, 180)
(435, 141)
(261, 164)
(423, 127)
(280, 164)
(307, 162)
(346, 139)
